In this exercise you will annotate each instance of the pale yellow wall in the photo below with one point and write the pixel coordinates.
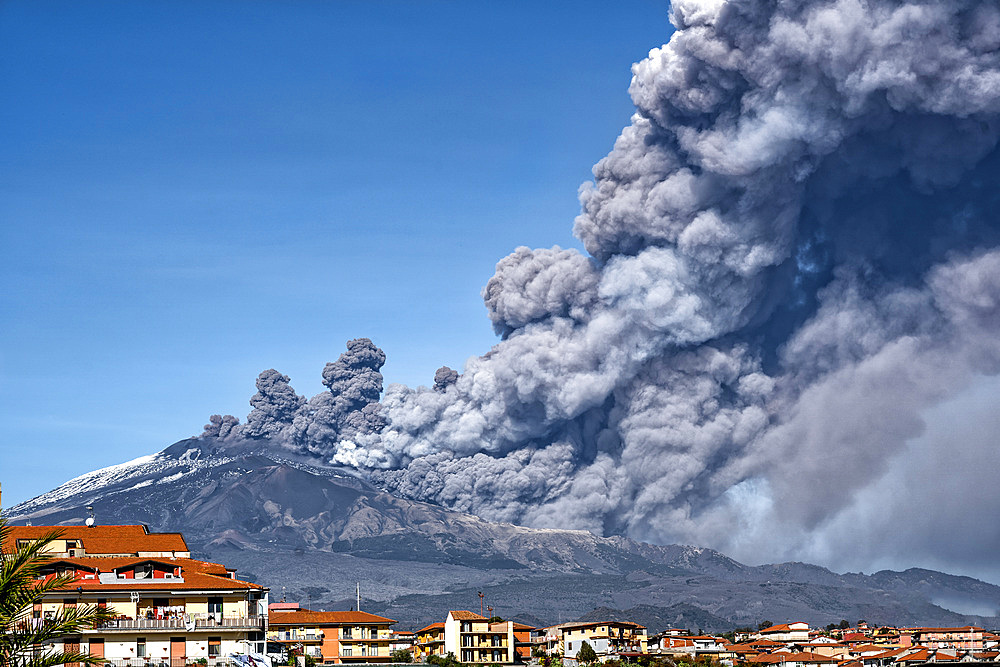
(197, 605)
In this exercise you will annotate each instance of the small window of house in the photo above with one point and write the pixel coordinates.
(214, 647)
(140, 647)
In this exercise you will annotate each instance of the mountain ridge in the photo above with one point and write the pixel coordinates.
(291, 524)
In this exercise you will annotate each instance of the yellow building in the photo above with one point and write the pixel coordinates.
(170, 609)
(430, 641)
(332, 637)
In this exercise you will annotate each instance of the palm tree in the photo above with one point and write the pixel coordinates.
(23, 639)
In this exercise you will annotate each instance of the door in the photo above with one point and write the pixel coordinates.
(178, 653)
(72, 645)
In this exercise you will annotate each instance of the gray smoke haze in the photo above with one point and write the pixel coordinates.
(794, 266)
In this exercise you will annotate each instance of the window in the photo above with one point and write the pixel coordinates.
(347, 651)
(214, 647)
(215, 607)
(348, 633)
(140, 647)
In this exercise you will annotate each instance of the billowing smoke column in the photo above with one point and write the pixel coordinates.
(349, 409)
(792, 262)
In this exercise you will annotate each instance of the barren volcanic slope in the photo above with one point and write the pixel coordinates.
(311, 533)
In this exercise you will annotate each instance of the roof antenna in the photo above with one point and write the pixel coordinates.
(359, 596)
(90, 519)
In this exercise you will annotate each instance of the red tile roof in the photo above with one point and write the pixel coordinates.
(103, 539)
(303, 617)
(462, 615)
(195, 574)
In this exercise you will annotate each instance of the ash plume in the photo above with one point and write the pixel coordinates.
(444, 377)
(792, 260)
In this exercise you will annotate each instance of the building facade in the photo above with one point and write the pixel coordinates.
(607, 638)
(474, 639)
(332, 637)
(170, 610)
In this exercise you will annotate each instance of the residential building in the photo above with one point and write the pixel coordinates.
(968, 637)
(402, 641)
(331, 637)
(786, 633)
(523, 642)
(169, 609)
(474, 639)
(607, 638)
(429, 641)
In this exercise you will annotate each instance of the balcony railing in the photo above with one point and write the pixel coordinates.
(188, 622)
(171, 662)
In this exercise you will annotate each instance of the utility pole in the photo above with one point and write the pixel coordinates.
(481, 596)
(359, 596)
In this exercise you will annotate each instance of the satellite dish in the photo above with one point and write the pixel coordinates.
(89, 522)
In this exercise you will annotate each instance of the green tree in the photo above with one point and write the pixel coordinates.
(22, 638)
(443, 661)
(586, 653)
(764, 624)
(401, 655)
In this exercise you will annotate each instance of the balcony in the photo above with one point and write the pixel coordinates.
(295, 636)
(169, 662)
(188, 623)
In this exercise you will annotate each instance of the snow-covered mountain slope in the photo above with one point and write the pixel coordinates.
(292, 524)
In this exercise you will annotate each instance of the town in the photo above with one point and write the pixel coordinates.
(167, 609)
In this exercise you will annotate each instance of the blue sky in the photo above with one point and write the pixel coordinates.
(192, 192)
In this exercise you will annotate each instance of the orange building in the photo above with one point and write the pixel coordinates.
(332, 637)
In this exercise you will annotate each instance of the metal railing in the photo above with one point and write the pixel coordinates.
(187, 622)
(170, 662)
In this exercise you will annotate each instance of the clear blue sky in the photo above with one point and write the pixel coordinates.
(192, 192)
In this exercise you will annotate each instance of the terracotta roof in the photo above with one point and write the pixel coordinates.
(522, 626)
(462, 615)
(303, 617)
(923, 655)
(584, 624)
(768, 658)
(195, 574)
(103, 539)
(888, 654)
(784, 627)
(432, 626)
(964, 628)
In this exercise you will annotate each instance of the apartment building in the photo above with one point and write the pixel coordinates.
(474, 639)
(607, 638)
(429, 641)
(787, 633)
(332, 637)
(969, 637)
(170, 609)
